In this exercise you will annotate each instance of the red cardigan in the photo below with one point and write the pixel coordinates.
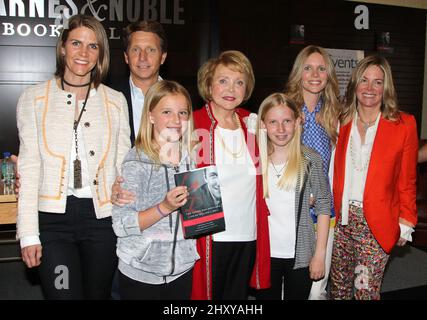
(202, 273)
(390, 189)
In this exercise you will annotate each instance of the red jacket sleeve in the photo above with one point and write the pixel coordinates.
(408, 171)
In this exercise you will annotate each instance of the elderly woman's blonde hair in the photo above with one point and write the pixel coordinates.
(234, 60)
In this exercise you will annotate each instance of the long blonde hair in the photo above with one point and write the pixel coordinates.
(295, 166)
(330, 111)
(145, 139)
(389, 106)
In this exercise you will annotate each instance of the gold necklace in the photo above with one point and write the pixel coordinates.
(239, 153)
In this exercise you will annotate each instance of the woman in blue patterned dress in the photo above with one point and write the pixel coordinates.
(313, 85)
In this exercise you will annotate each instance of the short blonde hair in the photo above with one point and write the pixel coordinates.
(100, 71)
(389, 106)
(236, 61)
(330, 111)
(145, 138)
(294, 167)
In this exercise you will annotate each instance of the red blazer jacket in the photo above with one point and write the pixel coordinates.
(390, 189)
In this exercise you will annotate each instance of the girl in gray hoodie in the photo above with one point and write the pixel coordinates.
(155, 261)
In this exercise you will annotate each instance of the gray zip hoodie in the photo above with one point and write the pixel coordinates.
(148, 256)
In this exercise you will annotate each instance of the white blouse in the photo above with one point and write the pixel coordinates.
(281, 221)
(358, 157)
(237, 177)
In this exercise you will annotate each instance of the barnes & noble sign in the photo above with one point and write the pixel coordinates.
(44, 18)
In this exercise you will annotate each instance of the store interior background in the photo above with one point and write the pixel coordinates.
(200, 29)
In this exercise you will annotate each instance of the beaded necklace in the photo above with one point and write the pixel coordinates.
(231, 152)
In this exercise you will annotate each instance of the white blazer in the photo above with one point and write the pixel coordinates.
(45, 116)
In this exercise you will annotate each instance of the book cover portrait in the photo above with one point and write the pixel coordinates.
(203, 213)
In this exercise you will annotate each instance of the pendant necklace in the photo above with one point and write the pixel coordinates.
(366, 125)
(279, 172)
(77, 166)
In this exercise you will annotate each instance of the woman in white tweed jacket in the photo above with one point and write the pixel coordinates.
(64, 209)
(293, 181)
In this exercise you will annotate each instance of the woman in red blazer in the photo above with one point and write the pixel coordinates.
(374, 182)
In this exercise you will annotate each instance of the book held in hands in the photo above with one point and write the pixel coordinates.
(202, 214)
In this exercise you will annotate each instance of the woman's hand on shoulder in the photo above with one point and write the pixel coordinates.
(119, 196)
(251, 122)
(32, 255)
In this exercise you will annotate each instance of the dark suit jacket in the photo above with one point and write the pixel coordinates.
(124, 87)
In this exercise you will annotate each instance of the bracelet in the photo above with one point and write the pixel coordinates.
(163, 214)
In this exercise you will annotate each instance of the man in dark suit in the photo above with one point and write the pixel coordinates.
(145, 50)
